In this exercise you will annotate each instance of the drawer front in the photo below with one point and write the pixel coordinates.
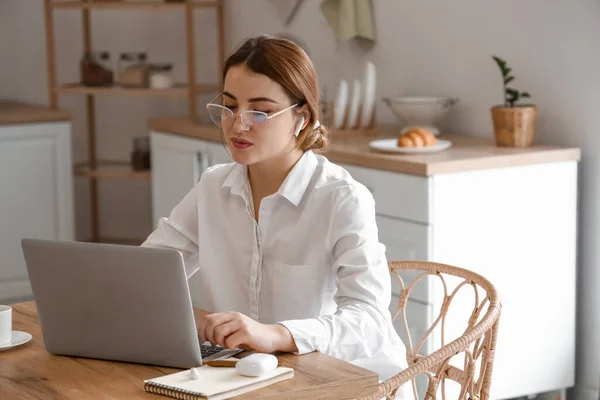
(397, 195)
(406, 241)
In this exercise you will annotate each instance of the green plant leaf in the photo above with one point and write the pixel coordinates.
(502, 65)
(499, 61)
(506, 71)
(512, 97)
(525, 95)
(508, 79)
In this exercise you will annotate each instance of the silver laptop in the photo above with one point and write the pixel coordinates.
(115, 302)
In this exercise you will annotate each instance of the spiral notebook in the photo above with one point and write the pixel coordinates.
(214, 383)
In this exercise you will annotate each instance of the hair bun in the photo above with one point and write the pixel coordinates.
(317, 138)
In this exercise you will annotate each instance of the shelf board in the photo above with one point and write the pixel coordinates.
(125, 241)
(110, 240)
(111, 170)
(130, 5)
(178, 90)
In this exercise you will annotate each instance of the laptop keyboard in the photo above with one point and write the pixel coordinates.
(208, 350)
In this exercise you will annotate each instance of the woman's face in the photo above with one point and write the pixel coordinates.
(245, 90)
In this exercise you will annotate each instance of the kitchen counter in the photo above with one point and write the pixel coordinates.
(14, 112)
(467, 153)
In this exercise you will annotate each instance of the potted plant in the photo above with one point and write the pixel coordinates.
(514, 124)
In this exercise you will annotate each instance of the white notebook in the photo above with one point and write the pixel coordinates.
(215, 383)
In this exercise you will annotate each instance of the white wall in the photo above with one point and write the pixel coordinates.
(424, 47)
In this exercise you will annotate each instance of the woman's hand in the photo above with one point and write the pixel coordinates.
(235, 330)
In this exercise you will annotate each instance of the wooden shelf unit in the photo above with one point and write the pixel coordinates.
(130, 5)
(110, 170)
(124, 241)
(93, 168)
(178, 90)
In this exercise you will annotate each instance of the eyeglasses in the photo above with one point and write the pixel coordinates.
(224, 117)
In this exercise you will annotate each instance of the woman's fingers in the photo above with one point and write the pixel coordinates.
(212, 321)
(237, 339)
(215, 320)
(223, 331)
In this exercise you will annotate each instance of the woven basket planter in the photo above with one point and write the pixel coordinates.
(514, 126)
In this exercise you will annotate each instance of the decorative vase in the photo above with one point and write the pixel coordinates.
(514, 126)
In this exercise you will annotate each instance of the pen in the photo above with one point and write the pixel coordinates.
(220, 363)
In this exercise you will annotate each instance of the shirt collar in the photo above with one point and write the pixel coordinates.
(293, 187)
(295, 184)
(237, 180)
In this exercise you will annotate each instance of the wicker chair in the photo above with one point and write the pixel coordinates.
(477, 344)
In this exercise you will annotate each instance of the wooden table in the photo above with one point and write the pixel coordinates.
(30, 372)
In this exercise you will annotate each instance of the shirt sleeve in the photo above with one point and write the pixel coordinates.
(360, 326)
(180, 231)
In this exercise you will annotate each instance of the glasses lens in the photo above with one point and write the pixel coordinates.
(220, 115)
(254, 118)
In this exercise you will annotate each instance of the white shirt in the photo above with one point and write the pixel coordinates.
(312, 263)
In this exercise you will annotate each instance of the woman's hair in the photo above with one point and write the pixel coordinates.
(287, 64)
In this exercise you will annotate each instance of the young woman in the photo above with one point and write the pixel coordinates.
(285, 242)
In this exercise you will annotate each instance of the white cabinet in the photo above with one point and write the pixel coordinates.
(36, 196)
(177, 164)
(516, 226)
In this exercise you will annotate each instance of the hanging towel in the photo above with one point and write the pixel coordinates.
(351, 19)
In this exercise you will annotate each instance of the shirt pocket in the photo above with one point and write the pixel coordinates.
(300, 291)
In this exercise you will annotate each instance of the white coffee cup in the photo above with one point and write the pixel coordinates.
(5, 324)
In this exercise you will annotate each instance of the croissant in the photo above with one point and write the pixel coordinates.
(416, 137)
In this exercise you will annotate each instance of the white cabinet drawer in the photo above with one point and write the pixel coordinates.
(406, 241)
(397, 195)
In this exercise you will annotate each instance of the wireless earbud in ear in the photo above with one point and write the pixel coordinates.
(299, 127)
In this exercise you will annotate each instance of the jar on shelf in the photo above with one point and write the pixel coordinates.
(161, 76)
(96, 69)
(140, 155)
(133, 70)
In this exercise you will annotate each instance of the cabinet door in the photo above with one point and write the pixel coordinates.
(218, 154)
(176, 166)
(398, 195)
(36, 200)
(406, 241)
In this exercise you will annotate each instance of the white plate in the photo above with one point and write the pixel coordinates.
(369, 94)
(340, 104)
(18, 338)
(391, 146)
(354, 101)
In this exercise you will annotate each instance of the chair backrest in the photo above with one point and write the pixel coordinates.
(475, 347)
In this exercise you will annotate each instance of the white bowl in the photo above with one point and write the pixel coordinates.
(420, 111)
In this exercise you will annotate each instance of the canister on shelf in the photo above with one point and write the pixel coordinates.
(161, 76)
(96, 69)
(140, 155)
(133, 70)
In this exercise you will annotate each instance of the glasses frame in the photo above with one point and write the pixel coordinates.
(241, 114)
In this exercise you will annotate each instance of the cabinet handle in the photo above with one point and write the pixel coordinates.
(201, 163)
